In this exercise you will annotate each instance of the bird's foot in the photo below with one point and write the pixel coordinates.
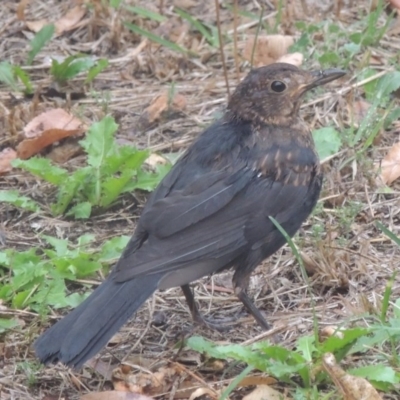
(214, 324)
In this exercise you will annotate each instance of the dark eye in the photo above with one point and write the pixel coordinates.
(278, 86)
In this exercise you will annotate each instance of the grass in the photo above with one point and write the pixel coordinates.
(66, 224)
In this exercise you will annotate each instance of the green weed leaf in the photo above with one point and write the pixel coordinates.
(23, 202)
(327, 141)
(39, 41)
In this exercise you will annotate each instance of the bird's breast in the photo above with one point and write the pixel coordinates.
(291, 164)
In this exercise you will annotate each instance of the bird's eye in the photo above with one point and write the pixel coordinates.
(278, 86)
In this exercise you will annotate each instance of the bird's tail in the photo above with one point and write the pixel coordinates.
(82, 333)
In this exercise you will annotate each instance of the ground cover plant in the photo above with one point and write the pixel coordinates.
(98, 98)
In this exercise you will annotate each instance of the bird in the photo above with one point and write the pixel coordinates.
(215, 210)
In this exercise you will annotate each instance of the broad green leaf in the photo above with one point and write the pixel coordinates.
(81, 210)
(99, 66)
(377, 373)
(7, 75)
(39, 41)
(112, 249)
(327, 141)
(99, 142)
(7, 324)
(43, 168)
(23, 202)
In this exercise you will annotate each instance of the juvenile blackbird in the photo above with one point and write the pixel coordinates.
(211, 212)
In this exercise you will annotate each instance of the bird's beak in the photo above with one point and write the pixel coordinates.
(321, 77)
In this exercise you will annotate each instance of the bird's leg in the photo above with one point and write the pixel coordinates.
(196, 315)
(240, 283)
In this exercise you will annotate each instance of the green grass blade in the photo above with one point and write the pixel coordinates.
(151, 36)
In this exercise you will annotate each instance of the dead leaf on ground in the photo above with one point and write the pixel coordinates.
(66, 23)
(70, 20)
(206, 392)
(328, 331)
(154, 159)
(358, 111)
(6, 156)
(161, 104)
(351, 387)
(292, 58)
(21, 9)
(125, 378)
(264, 392)
(267, 50)
(36, 26)
(47, 128)
(114, 395)
(257, 380)
(390, 165)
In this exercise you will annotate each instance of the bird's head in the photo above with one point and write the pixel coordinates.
(273, 94)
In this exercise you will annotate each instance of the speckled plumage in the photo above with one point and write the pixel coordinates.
(211, 212)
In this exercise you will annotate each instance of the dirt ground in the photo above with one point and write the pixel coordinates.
(351, 259)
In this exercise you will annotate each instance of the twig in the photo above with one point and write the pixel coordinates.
(221, 48)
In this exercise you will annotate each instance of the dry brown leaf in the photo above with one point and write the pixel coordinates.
(65, 152)
(200, 392)
(70, 19)
(329, 331)
(257, 381)
(21, 9)
(160, 104)
(124, 378)
(36, 26)
(154, 159)
(310, 264)
(390, 165)
(264, 392)
(395, 4)
(268, 49)
(351, 387)
(358, 111)
(47, 128)
(66, 23)
(6, 156)
(292, 58)
(114, 395)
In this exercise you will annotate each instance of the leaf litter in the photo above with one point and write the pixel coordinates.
(135, 76)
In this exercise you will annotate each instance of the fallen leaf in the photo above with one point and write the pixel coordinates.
(264, 392)
(64, 24)
(159, 105)
(125, 378)
(358, 111)
(395, 4)
(329, 331)
(47, 128)
(69, 20)
(154, 159)
(21, 9)
(310, 265)
(200, 392)
(6, 156)
(65, 152)
(390, 165)
(114, 395)
(267, 49)
(292, 58)
(257, 380)
(36, 26)
(351, 387)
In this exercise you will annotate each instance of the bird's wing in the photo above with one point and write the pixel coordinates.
(199, 200)
(207, 229)
(195, 223)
